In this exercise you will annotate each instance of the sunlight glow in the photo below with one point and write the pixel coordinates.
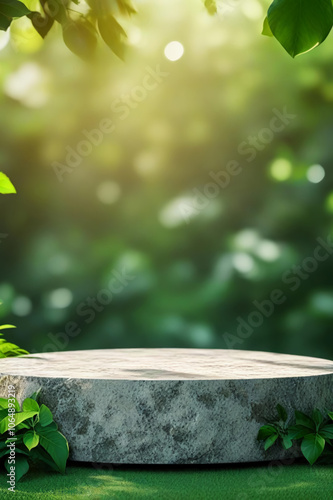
(174, 51)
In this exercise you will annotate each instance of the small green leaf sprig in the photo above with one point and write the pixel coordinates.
(38, 439)
(315, 433)
(7, 349)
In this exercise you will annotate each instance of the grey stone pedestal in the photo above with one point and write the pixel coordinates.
(169, 406)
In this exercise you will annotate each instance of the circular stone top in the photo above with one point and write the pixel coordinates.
(164, 364)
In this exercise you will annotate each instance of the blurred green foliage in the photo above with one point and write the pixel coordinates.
(298, 26)
(195, 271)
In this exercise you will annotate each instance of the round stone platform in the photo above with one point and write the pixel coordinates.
(169, 406)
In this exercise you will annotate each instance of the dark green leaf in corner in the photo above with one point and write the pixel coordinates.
(300, 25)
(10, 9)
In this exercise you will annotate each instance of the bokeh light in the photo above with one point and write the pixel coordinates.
(174, 51)
(315, 174)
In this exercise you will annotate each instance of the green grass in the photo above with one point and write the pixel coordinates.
(247, 482)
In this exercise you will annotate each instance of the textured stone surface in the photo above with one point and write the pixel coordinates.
(169, 406)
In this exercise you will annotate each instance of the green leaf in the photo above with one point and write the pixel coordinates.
(287, 442)
(126, 7)
(55, 9)
(327, 431)
(4, 403)
(56, 445)
(312, 447)
(21, 467)
(41, 24)
(3, 413)
(45, 416)
(10, 9)
(80, 38)
(298, 431)
(302, 419)
(9, 350)
(6, 327)
(317, 417)
(300, 25)
(266, 30)
(6, 187)
(282, 413)
(31, 439)
(41, 455)
(265, 431)
(30, 404)
(113, 35)
(330, 414)
(52, 426)
(23, 425)
(270, 441)
(211, 7)
(36, 395)
(19, 417)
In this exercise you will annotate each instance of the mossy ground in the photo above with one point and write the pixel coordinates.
(246, 482)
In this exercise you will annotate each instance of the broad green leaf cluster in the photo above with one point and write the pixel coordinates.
(315, 433)
(37, 437)
(82, 22)
(299, 26)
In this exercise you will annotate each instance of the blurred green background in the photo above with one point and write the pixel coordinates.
(195, 271)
